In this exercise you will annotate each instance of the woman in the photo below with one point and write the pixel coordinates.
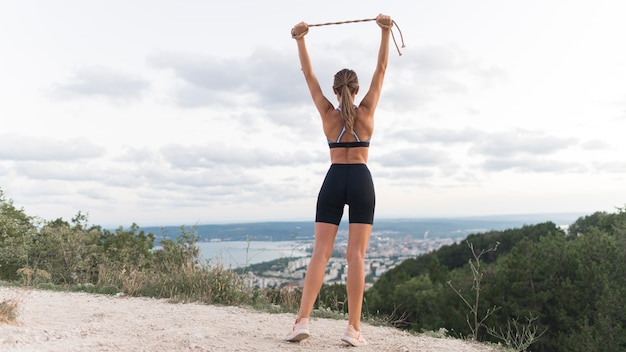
(348, 130)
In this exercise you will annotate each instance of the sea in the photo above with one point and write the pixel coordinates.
(238, 254)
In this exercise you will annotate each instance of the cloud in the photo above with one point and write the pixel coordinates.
(413, 174)
(272, 78)
(412, 156)
(595, 144)
(617, 167)
(216, 179)
(517, 142)
(429, 73)
(141, 155)
(128, 181)
(212, 155)
(13, 147)
(271, 81)
(265, 78)
(3, 170)
(176, 166)
(458, 154)
(63, 171)
(529, 163)
(302, 120)
(620, 105)
(103, 82)
(212, 172)
(437, 135)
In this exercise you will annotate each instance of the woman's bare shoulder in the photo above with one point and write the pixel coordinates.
(364, 112)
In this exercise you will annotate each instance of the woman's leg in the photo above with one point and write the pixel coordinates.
(322, 250)
(358, 239)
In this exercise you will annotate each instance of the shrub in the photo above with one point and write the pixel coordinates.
(8, 310)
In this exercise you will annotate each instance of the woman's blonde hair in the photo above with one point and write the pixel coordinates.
(346, 84)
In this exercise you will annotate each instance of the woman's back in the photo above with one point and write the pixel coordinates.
(333, 125)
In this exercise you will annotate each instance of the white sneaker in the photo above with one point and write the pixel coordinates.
(300, 331)
(353, 337)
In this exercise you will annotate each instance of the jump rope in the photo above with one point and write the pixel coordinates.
(393, 23)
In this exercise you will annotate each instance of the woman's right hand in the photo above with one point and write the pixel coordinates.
(384, 21)
(299, 30)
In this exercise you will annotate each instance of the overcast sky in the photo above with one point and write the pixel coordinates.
(185, 112)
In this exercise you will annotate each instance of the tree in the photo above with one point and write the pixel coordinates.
(68, 252)
(476, 317)
(17, 231)
(132, 248)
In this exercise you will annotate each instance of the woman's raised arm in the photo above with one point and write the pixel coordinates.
(373, 94)
(322, 104)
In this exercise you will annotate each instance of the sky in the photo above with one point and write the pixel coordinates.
(196, 112)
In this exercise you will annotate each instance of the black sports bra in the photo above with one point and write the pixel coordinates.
(357, 143)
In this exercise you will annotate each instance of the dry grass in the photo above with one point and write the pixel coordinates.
(8, 310)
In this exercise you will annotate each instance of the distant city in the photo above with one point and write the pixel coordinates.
(383, 254)
(392, 241)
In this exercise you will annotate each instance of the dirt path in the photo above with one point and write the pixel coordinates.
(60, 321)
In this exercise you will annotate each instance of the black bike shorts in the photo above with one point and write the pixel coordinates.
(349, 184)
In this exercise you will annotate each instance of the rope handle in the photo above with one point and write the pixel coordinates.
(393, 23)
